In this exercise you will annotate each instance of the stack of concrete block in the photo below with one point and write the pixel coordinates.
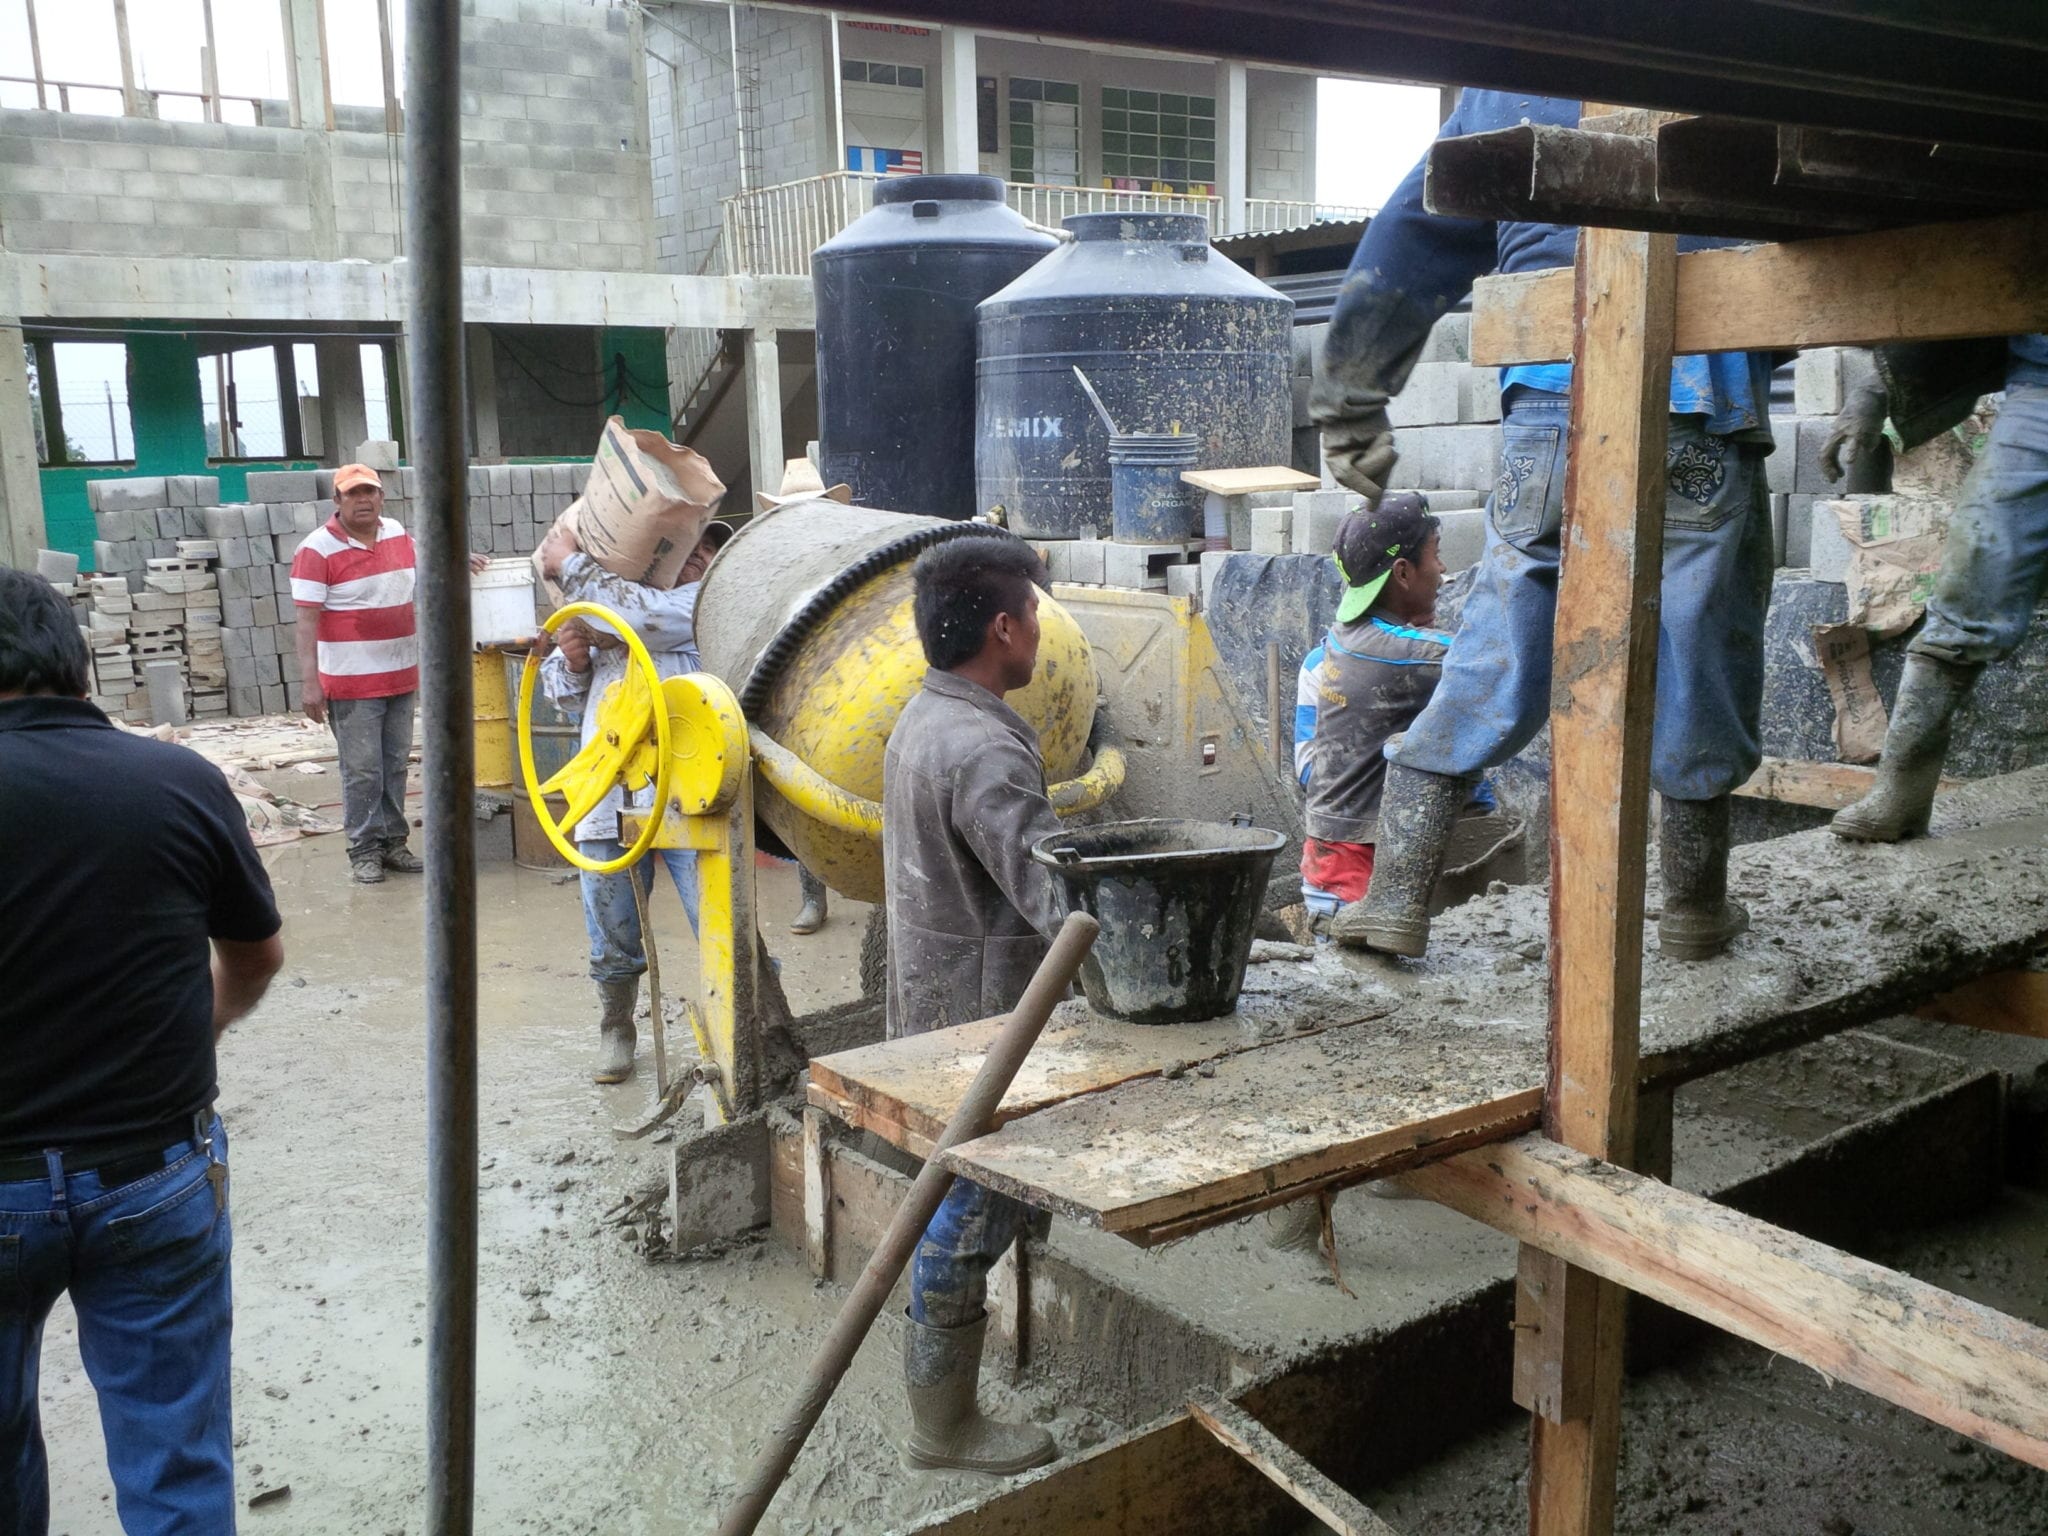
(511, 506)
(117, 686)
(256, 542)
(177, 617)
(1107, 563)
(141, 519)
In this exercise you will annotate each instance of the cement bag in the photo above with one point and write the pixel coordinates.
(645, 505)
(1896, 544)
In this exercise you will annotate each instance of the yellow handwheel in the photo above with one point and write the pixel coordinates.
(608, 758)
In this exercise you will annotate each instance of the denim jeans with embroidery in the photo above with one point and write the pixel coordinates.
(1495, 692)
(1994, 568)
(146, 1264)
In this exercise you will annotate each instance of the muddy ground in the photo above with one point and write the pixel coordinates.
(619, 1395)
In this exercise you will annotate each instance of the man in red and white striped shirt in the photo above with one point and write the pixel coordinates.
(352, 581)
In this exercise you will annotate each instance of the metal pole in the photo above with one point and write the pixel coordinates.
(1050, 983)
(433, 227)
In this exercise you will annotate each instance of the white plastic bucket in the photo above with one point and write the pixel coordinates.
(501, 602)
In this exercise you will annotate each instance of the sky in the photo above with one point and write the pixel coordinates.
(1368, 136)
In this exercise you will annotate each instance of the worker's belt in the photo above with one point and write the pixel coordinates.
(116, 1162)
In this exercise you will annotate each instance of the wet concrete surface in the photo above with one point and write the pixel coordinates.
(615, 1394)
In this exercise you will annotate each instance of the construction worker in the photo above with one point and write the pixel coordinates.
(136, 924)
(1994, 568)
(588, 658)
(970, 916)
(359, 663)
(1361, 686)
(1494, 696)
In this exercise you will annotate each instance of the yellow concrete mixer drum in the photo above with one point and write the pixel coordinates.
(806, 615)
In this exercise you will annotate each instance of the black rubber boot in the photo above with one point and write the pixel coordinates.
(615, 1033)
(1417, 812)
(811, 916)
(941, 1370)
(1699, 919)
(1915, 746)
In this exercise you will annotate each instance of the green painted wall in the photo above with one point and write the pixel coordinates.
(646, 352)
(168, 418)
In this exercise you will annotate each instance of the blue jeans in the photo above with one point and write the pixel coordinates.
(949, 1271)
(609, 915)
(1495, 693)
(1995, 565)
(146, 1264)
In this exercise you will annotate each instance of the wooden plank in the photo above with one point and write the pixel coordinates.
(1985, 277)
(1952, 1361)
(1284, 1467)
(904, 1090)
(1258, 477)
(1842, 934)
(2009, 1002)
(1824, 786)
(1603, 698)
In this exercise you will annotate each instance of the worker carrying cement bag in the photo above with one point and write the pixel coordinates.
(970, 916)
(1994, 567)
(587, 660)
(1361, 686)
(1494, 696)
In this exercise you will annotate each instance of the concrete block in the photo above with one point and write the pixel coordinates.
(222, 522)
(255, 516)
(1829, 550)
(1272, 530)
(262, 610)
(1450, 458)
(1431, 397)
(241, 672)
(1450, 340)
(1779, 467)
(237, 612)
(170, 522)
(257, 581)
(1817, 382)
(1140, 566)
(1316, 517)
(1210, 563)
(1461, 536)
(273, 697)
(281, 517)
(323, 483)
(122, 495)
(1054, 553)
(1184, 581)
(1479, 395)
(56, 566)
(244, 700)
(306, 518)
(380, 454)
(283, 485)
(1798, 529)
(522, 479)
(1087, 561)
(234, 643)
(114, 527)
(479, 480)
(500, 478)
(262, 548)
(1807, 475)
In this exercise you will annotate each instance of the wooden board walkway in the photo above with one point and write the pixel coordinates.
(1451, 1053)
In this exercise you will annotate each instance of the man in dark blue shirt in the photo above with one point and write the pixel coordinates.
(1994, 568)
(1411, 267)
(136, 924)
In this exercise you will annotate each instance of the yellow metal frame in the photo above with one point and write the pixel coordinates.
(611, 755)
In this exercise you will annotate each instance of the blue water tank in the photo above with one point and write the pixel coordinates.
(896, 294)
(1174, 337)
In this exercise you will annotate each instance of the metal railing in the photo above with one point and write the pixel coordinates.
(771, 231)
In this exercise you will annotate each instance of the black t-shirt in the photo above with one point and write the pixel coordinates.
(120, 856)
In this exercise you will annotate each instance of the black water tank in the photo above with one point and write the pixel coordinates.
(1173, 336)
(896, 291)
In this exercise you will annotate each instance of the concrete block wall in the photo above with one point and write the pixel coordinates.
(1280, 135)
(555, 165)
(701, 166)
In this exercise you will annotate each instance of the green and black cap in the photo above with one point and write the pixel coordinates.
(1371, 539)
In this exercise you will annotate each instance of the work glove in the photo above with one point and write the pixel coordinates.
(1859, 428)
(1360, 452)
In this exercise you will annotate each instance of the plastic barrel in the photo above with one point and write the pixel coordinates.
(1148, 502)
(556, 739)
(1178, 902)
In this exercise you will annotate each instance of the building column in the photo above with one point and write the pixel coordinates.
(21, 482)
(959, 123)
(1233, 160)
(344, 420)
(764, 409)
(312, 104)
(486, 444)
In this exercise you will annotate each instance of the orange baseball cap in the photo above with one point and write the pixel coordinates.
(349, 476)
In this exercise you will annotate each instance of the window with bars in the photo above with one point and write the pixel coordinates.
(1158, 141)
(1045, 131)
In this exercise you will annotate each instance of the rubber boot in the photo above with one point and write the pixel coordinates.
(616, 1035)
(1417, 812)
(1698, 919)
(811, 916)
(941, 1370)
(1915, 746)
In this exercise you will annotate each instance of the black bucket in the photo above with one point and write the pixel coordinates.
(1177, 900)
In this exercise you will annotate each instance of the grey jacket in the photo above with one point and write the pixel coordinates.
(1373, 679)
(970, 911)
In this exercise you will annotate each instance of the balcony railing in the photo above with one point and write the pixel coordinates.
(773, 230)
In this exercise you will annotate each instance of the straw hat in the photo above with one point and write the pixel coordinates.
(800, 482)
